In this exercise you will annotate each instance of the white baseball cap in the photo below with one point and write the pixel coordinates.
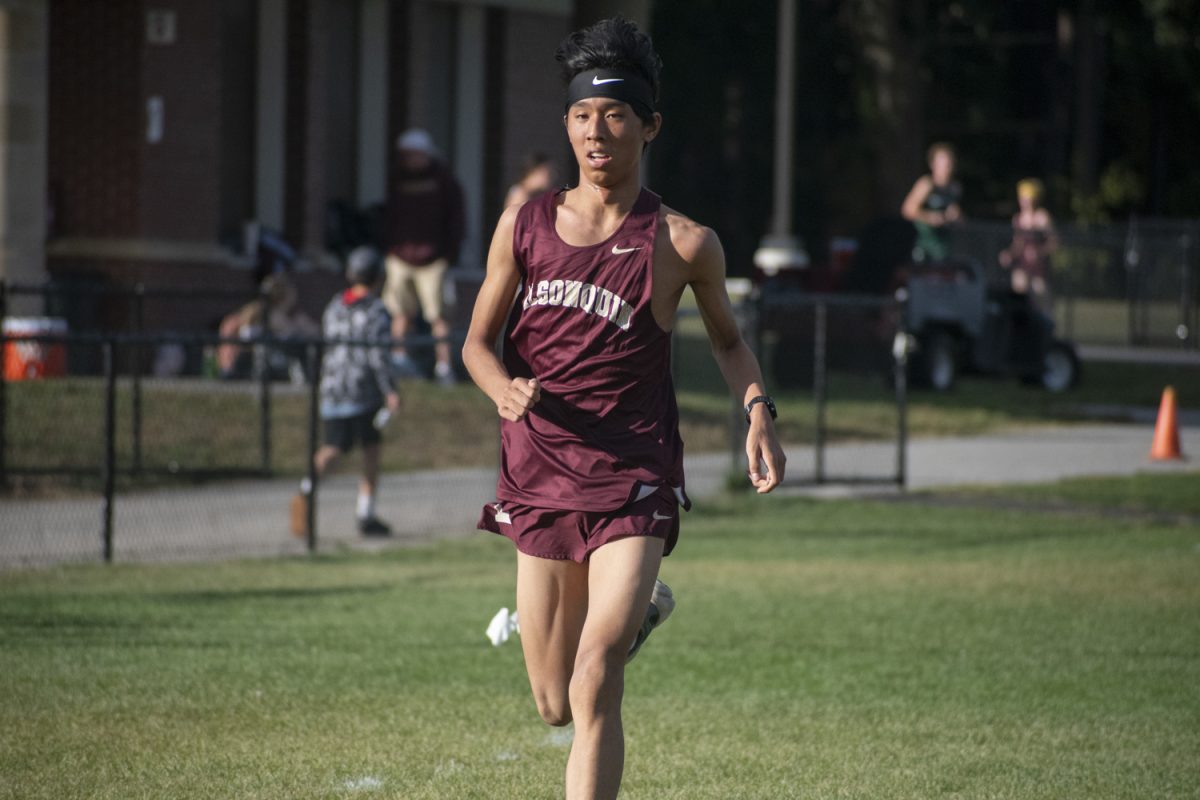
(418, 140)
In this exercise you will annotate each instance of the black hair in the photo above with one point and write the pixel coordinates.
(614, 43)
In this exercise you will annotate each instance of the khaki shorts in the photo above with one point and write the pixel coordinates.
(410, 289)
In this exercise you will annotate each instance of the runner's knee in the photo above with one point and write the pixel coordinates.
(598, 679)
(553, 707)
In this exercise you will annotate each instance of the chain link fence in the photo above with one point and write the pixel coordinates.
(120, 465)
(1131, 285)
(115, 463)
(852, 353)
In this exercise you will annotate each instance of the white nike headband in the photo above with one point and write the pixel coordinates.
(618, 84)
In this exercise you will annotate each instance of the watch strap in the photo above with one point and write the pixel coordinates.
(762, 398)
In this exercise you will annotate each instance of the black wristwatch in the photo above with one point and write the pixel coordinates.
(762, 398)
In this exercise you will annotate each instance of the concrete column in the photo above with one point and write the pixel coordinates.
(316, 130)
(469, 126)
(24, 71)
(372, 102)
(270, 144)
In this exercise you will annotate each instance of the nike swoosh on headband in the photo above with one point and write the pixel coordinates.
(597, 80)
(620, 250)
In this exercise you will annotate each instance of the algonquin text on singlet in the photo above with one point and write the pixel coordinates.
(586, 297)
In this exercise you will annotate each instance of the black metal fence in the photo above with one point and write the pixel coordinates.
(853, 345)
(179, 465)
(124, 464)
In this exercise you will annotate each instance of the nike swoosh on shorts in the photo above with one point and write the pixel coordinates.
(658, 516)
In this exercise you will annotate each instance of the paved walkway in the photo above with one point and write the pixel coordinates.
(1139, 355)
(250, 517)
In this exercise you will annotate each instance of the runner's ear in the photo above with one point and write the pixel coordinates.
(652, 129)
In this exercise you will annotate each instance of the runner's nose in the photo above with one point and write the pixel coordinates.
(596, 129)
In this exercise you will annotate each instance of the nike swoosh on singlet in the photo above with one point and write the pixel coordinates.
(597, 80)
(656, 515)
(622, 250)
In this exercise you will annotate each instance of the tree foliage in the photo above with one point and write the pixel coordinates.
(1099, 100)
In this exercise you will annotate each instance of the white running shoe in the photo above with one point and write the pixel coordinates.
(444, 375)
(662, 603)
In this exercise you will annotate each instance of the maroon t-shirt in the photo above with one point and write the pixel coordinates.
(607, 422)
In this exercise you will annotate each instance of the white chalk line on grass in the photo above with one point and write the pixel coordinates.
(367, 783)
(560, 737)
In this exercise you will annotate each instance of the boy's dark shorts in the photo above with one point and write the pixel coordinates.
(344, 432)
(575, 535)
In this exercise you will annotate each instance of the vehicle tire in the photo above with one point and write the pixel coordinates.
(937, 361)
(1060, 367)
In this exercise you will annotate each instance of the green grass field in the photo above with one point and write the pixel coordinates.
(820, 650)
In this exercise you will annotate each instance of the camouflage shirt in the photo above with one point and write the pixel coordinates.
(354, 377)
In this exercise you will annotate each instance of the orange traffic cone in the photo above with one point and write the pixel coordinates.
(1166, 430)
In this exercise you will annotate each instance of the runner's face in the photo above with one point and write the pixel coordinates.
(942, 167)
(607, 138)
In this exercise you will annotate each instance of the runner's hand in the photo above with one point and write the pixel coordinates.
(519, 396)
(765, 456)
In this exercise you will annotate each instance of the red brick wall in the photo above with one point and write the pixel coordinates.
(180, 191)
(95, 117)
(106, 180)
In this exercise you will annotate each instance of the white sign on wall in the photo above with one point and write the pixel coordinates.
(155, 119)
(160, 26)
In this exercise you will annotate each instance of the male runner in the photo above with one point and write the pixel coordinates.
(591, 470)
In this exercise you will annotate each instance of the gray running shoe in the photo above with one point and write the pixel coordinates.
(404, 367)
(662, 603)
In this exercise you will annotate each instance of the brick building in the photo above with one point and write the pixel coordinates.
(139, 137)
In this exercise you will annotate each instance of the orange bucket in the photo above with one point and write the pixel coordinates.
(26, 360)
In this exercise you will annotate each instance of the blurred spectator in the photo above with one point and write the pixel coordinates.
(276, 309)
(424, 231)
(1028, 257)
(932, 204)
(272, 253)
(537, 177)
(356, 385)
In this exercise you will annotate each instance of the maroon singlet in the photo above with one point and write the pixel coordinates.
(607, 423)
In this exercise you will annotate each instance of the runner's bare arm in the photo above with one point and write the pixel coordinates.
(911, 209)
(701, 250)
(513, 396)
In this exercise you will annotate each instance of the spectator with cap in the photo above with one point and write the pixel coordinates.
(357, 394)
(424, 229)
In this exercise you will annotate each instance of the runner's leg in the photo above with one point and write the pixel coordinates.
(370, 475)
(620, 579)
(552, 603)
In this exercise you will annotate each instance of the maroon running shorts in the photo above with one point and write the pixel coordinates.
(575, 535)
